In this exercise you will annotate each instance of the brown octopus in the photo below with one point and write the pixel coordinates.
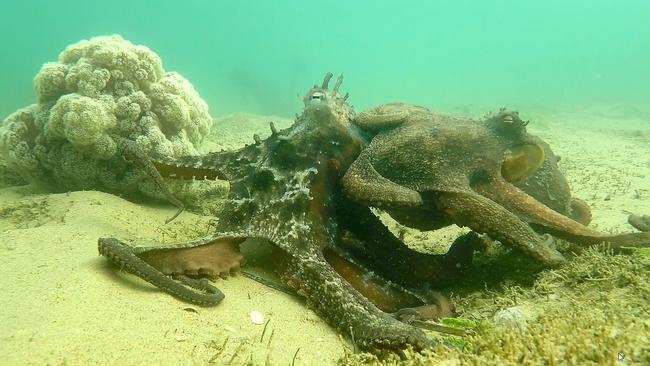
(429, 170)
(286, 189)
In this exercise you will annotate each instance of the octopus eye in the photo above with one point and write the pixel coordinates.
(522, 162)
(317, 96)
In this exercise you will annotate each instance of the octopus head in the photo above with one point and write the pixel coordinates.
(326, 105)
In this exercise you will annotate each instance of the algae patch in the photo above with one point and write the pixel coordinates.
(584, 313)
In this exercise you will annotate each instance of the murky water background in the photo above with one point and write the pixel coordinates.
(255, 56)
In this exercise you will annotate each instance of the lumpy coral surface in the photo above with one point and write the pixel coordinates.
(102, 91)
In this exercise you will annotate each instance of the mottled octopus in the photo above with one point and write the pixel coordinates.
(285, 189)
(429, 170)
(308, 191)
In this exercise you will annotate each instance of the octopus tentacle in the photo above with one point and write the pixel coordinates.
(387, 115)
(132, 152)
(213, 257)
(580, 211)
(364, 183)
(190, 167)
(441, 309)
(366, 238)
(199, 292)
(485, 216)
(352, 313)
(387, 296)
(535, 213)
(403, 303)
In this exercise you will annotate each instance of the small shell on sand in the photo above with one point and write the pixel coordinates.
(256, 317)
(511, 318)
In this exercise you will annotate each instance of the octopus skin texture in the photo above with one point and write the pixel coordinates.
(430, 170)
(286, 189)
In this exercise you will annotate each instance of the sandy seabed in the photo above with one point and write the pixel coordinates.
(63, 304)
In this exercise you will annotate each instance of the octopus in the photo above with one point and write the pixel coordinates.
(309, 189)
(429, 170)
(286, 190)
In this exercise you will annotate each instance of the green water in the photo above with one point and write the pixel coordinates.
(256, 56)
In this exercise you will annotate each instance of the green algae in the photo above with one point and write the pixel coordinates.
(584, 313)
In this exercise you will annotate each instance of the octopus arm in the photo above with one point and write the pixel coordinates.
(155, 264)
(337, 301)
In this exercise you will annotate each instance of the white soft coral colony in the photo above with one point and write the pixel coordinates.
(100, 93)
